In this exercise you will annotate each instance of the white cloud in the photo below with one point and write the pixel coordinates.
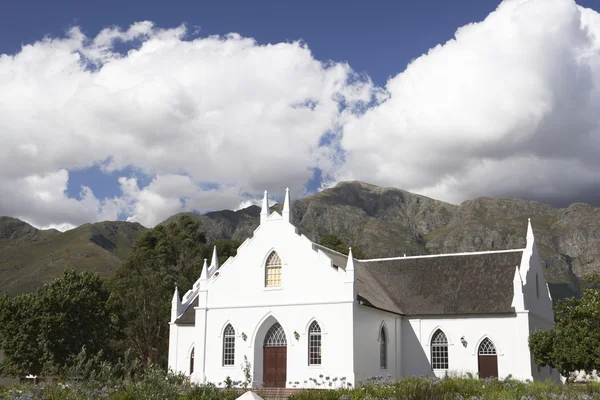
(222, 110)
(41, 200)
(497, 110)
(507, 107)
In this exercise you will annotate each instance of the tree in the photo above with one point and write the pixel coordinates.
(162, 258)
(42, 332)
(225, 248)
(333, 242)
(574, 342)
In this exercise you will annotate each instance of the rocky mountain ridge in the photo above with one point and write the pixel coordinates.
(383, 222)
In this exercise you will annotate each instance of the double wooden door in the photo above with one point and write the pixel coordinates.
(274, 366)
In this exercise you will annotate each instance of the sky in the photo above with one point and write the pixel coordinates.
(137, 110)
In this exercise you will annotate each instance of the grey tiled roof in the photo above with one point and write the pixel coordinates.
(189, 315)
(477, 283)
(460, 284)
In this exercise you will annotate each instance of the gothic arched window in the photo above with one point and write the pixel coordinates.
(273, 270)
(382, 348)
(314, 344)
(228, 345)
(487, 348)
(439, 350)
(275, 336)
(192, 361)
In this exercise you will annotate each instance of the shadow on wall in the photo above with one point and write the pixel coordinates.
(413, 358)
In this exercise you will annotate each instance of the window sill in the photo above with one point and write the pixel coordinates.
(271, 288)
(228, 366)
(316, 366)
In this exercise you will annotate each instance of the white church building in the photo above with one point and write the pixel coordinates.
(296, 310)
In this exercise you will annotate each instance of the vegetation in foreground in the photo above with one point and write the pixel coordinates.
(573, 344)
(154, 383)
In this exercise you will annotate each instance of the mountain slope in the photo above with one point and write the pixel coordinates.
(382, 222)
(29, 257)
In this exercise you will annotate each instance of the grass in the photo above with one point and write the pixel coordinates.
(156, 384)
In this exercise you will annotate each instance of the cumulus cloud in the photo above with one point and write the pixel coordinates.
(41, 200)
(509, 107)
(220, 110)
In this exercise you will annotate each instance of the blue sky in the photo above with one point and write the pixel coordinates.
(378, 39)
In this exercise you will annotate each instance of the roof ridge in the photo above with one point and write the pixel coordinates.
(335, 251)
(471, 253)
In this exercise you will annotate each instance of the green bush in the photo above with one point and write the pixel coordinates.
(154, 383)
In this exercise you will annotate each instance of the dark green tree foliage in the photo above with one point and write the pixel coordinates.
(225, 248)
(162, 258)
(574, 342)
(333, 242)
(42, 332)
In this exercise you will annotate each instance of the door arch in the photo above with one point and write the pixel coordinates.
(487, 359)
(275, 357)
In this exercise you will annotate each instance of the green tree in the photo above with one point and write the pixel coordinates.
(574, 342)
(225, 248)
(42, 332)
(333, 242)
(162, 258)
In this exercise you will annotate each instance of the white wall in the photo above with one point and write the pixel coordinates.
(182, 339)
(508, 333)
(335, 321)
(311, 288)
(367, 325)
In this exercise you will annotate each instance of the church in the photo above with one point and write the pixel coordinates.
(297, 311)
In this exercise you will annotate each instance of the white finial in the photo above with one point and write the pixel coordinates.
(517, 277)
(175, 305)
(176, 298)
(529, 230)
(287, 216)
(214, 264)
(264, 212)
(350, 262)
(204, 273)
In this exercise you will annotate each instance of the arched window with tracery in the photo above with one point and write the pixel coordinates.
(314, 344)
(228, 345)
(273, 270)
(192, 361)
(275, 336)
(439, 350)
(382, 348)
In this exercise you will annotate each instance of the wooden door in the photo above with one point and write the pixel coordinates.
(274, 366)
(488, 366)
(487, 358)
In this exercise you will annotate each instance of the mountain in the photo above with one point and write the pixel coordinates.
(29, 256)
(383, 222)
